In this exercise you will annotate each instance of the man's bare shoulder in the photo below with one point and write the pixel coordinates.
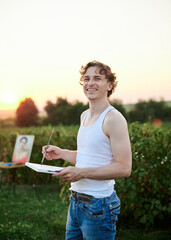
(83, 114)
(114, 121)
(114, 116)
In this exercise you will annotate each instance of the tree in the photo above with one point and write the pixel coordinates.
(63, 112)
(75, 111)
(149, 110)
(27, 113)
(57, 112)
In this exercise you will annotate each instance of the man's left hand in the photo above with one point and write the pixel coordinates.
(70, 174)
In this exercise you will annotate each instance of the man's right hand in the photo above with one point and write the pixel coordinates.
(51, 152)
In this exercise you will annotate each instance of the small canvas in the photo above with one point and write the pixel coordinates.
(44, 168)
(22, 149)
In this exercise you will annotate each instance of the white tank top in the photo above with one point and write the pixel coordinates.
(93, 150)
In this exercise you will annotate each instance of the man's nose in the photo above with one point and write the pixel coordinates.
(91, 81)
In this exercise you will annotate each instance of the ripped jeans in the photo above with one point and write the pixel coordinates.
(94, 220)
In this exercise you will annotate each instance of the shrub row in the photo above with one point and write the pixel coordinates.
(144, 196)
(64, 137)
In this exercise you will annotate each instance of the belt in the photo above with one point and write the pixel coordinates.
(81, 197)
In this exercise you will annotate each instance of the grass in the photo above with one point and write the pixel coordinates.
(24, 217)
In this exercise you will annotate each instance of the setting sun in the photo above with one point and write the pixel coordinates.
(9, 100)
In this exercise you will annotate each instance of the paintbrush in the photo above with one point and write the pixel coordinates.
(47, 145)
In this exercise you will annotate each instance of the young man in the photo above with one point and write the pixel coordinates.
(103, 154)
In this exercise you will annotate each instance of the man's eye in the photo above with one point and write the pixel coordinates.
(86, 79)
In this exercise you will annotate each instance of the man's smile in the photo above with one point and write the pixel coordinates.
(91, 89)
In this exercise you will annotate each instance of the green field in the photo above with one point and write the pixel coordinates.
(24, 217)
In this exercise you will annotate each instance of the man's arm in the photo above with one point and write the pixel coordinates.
(115, 127)
(53, 152)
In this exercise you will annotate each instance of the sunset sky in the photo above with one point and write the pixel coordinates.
(43, 44)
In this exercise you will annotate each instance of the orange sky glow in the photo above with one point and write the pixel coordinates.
(44, 43)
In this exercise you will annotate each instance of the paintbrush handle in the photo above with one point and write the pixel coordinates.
(47, 145)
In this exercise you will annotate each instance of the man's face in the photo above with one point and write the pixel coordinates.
(95, 85)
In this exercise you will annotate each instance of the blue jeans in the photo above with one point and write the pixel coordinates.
(93, 221)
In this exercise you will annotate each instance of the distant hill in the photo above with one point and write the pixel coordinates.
(4, 114)
(7, 113)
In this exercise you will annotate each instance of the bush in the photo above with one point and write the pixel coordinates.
(145, 195)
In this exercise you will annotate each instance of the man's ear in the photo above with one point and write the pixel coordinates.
(110, 86)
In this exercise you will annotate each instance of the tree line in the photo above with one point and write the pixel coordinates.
(67, 113)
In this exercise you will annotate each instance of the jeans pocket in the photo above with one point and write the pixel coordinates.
(114, 210)
(92, 210)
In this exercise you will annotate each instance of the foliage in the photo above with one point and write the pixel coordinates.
(149, 110)
(63, 112)
(145, 195)
(27, 113)
(166, 125)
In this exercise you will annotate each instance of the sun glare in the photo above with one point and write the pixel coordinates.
(9, 100)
